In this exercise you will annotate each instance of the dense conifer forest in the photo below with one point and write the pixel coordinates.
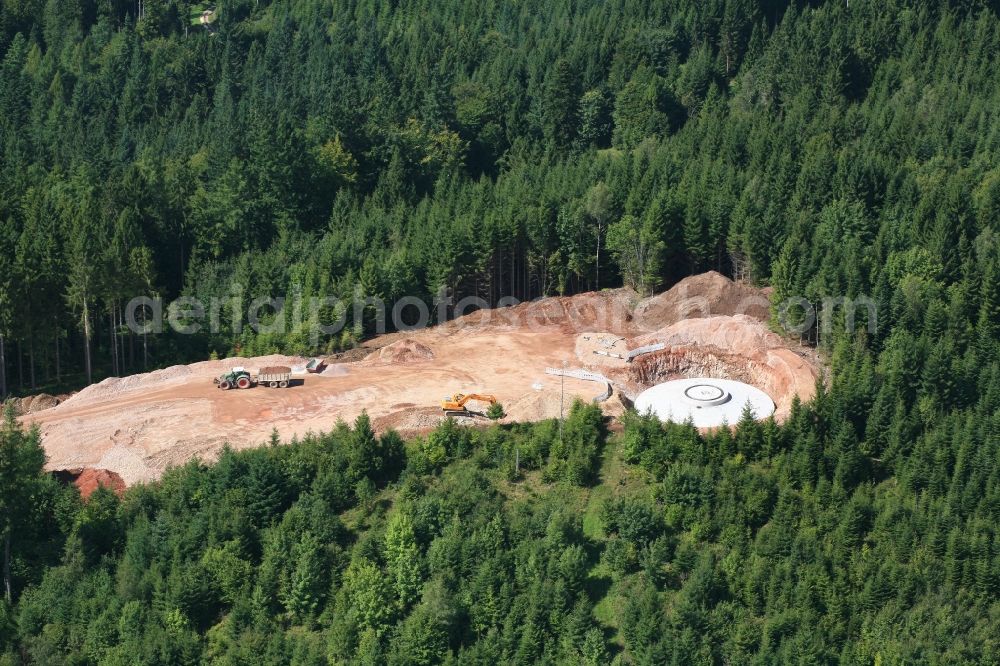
(512, 149)
(515, 545)
(492, 149)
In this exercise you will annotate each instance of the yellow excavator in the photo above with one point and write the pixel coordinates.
(455, 405)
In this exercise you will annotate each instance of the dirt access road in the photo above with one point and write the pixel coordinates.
(138, 426)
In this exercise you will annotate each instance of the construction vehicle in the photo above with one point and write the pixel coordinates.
(241, 378)
(455, 405)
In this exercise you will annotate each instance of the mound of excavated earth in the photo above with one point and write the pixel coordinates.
(402, 351)
(706, 295)
(34, 403)
(88, 480)
(135, 427)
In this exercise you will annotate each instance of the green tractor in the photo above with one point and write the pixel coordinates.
(235, 378)
(277, 376)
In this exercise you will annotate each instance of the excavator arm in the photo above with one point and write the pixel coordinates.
(457, 402)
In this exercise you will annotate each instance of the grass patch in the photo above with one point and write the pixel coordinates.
(607, 611)
(593, 526)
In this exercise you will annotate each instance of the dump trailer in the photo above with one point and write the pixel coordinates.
(241, 378)
(274, 377)
(315, 366)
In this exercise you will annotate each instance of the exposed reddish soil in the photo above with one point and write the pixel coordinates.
(138, 426)
(88, 480)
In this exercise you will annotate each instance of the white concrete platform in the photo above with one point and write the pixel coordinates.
(707, 402)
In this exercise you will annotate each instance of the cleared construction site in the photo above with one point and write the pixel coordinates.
(534, 359)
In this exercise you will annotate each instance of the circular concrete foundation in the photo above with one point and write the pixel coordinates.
(706, 402)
